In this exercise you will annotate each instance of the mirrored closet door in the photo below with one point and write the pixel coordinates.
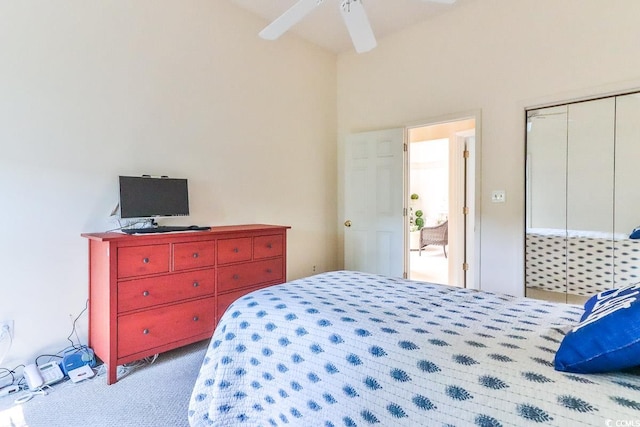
(581, 207)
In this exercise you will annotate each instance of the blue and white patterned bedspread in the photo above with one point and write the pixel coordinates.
(354, 349)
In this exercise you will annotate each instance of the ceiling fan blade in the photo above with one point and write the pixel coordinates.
(288, 19)
(358, 25)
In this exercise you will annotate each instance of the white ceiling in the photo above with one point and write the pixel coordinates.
(324, 26)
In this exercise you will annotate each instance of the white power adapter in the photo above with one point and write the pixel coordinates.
(82, 373)
(9, 390)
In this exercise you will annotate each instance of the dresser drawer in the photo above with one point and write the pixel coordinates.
(142, 260)
(157, 327)
(250, 274)
(224, 301)
(234, 250)
(194, 255)
(267, 246)
(143, 293)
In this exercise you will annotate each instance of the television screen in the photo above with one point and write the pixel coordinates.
(146, 196)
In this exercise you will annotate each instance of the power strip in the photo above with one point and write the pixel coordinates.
(7, 391)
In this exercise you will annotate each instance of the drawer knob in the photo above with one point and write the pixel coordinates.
(196, 284)
(145, 260)
(236, 277)
(145, 294)
(269, 246)
(195, 255)
(145, 331)
(236, 250)
(269, 270)
(195, 318)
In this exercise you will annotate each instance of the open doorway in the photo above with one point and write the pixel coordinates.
(441, 188)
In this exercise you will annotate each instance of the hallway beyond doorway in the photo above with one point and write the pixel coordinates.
(441, 190)
(431, 266)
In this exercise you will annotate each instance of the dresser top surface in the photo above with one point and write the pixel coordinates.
(214, 231)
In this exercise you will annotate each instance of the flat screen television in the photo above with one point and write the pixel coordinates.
(147, 197)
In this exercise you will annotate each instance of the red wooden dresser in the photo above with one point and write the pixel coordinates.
(152, 293)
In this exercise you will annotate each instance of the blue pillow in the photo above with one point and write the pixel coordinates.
(608, 338)
(591, 302)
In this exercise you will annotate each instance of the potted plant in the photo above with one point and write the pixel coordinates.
(412, 225)
(419, 221)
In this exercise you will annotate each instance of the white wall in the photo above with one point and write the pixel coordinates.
(499, 56)
(91, 90)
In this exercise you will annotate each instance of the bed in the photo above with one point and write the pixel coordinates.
(355, 349)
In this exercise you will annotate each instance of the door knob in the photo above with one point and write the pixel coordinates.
(347, 223)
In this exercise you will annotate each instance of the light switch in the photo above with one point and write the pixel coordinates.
(498, 196)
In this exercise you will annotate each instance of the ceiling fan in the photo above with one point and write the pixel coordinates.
(353, 13)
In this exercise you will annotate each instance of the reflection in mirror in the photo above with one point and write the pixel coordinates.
(627, 194)
(581, 204)
(590, 197)
(546, 215)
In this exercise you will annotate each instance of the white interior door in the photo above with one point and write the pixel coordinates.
(373, 205)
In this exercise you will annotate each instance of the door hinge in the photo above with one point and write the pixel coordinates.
(404, 212)
(465, 210)
(465, 154)
(465, 266)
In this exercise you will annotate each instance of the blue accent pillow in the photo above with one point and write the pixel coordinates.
(591, 302)
(607, 338)
(635, 234)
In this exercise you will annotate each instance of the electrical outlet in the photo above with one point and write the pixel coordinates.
(313, 269)
(6, 327)
(498, 196)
